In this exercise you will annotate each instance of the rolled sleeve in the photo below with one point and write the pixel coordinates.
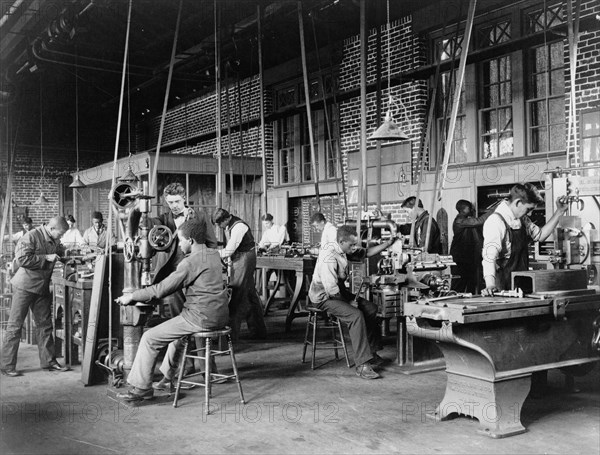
(493, 233)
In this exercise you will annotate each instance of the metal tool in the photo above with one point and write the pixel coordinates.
(518, 293)
(448, 297)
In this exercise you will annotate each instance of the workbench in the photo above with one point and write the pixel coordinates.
(302, 267)
(492, 345)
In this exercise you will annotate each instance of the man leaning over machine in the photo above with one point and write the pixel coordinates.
(328, 292)
(507, 232)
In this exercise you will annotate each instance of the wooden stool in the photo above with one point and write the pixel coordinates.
(320, 319)
(209, 378)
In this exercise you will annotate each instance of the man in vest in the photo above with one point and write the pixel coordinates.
(240, 250)
(508, 231)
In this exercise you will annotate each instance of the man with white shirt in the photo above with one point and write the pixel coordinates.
(327, 229)
(507, 232)
(273, 235)
(239, 249)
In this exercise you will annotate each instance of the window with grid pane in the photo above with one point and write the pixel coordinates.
(307, 171)
(590, 137)
(332, 167)
(458, 152)
(446, 48)
(287, 163)
(546, 98)
(495, 117)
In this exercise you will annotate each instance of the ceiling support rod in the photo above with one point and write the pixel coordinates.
(311, 139)
(114, 170)
(362, 194)
(218, 151)
(460, 78)
(153, 177)
(261, 100)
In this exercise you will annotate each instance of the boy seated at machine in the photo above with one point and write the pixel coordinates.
(205, 308)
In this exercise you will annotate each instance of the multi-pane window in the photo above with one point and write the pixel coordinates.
(447, 49)
(332, 167)
(546, 98)
(545, 84)
(287, 163)
(305, 156)
(495, 116)
(458, 152)
(590, 137)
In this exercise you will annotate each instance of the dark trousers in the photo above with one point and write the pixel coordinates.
(471, 278)
(245, 305)
(362, 325)
(41, 306)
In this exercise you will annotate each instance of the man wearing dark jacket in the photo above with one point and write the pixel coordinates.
(421, 217)
(466, 248)
(36, 253)
(166, 261)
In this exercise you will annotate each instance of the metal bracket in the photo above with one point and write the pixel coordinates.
(559, 308)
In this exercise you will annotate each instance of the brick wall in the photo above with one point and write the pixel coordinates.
(197, 117)
(27, 183)
(406, 52)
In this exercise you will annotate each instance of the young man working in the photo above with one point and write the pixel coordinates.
(466, 248)
(36, 253)
(273, 235)
(328, 292)
(328, 230)
(245, 303)
(507, 233)
(421, 217)
(95, 236)
(205, 308)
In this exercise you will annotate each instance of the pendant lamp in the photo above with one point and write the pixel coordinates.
(389, 130)
(41, 199)
(76, 182)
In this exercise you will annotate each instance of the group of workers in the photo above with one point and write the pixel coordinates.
(188, 276)
(94, 237)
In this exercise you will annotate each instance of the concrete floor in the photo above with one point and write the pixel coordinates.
(290, 409)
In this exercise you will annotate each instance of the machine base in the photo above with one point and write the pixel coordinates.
(424, 366)
(496, 404)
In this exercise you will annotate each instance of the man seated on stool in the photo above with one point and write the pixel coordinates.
(205, 308)
(328, 292)
(273, 235)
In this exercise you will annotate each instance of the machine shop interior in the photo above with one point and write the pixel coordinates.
(452, 147)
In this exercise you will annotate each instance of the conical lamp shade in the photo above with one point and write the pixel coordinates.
(388, 131)
(41, 200)
(128, 177)
(77, 183)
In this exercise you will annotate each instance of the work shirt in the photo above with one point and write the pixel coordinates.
(329, 235)
(331, 270)
(199, 275)
(95, 239)
(72, 239)
(274, 236)
(35, 271)
(496, 242)
(239, 237)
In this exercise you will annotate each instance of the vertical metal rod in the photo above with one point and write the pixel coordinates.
(363, 200)
(218, 152)
(455, 104)
(229, 146)
(261, 91)
(378, 104)
(153, 177)
(308, 109)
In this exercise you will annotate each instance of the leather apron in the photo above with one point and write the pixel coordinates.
(518, 260)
